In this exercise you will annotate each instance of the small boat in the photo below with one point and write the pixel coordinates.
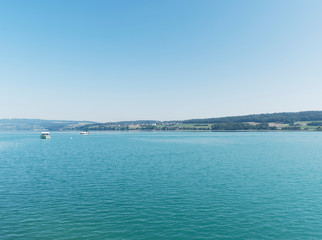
(45, 135)
(84, 133)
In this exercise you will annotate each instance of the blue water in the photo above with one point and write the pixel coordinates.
(167, 185)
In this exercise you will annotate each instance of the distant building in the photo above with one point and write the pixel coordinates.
(134, 126)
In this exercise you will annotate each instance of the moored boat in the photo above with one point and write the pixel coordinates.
(45, 135)
(84, 133)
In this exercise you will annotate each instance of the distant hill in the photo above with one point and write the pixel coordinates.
(284, 117)
(121, 125)
(134, 122)
(18, 124)
(308, 121)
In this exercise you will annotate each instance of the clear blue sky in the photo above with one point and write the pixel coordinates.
(165, 60)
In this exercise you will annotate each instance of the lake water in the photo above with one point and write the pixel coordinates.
(165, 185)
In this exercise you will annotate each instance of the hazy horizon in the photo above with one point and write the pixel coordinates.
(108, 61)
(133, 120)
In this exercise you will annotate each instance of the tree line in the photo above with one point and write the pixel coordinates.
(240, 126)
(286, 117)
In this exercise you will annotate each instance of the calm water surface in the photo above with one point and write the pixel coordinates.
(161, 186)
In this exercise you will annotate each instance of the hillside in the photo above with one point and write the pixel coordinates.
(308, 120)
(39, 124)
(284, 117)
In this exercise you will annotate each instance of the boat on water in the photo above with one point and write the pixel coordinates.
(45, 135)
(84, 133)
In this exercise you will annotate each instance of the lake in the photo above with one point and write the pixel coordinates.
(161, 185)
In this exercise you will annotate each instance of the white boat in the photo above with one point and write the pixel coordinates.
(84, 133)
(45, 135)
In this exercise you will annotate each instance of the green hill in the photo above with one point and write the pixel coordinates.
(284, 117)
(308, 120)
(39, 124)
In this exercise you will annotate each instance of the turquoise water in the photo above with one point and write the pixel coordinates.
(168, 185)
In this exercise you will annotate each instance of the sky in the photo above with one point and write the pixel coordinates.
(158, 60)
